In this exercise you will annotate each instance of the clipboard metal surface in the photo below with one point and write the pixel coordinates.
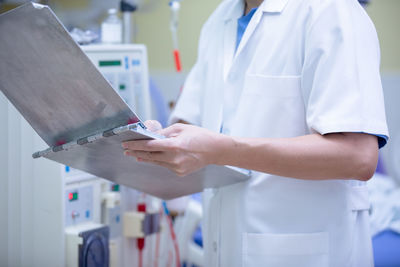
(69, 103)
(104, 157)
(52, 82)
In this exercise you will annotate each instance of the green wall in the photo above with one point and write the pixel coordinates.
(153, 30)
(386, 16)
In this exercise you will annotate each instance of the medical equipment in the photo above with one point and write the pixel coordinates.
(175, 6)
(364, 3)
(126, 68)
(52, 211)
(56, 215)
(127, 7)
(173, 235)
(384, 189)
(92, 244)
(111, 28)
(186, 226)
(79, 115)
(391, 153)
(384, 196)
(86, 239)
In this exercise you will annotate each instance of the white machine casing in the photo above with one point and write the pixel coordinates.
(42, 224)
(83, 238)
(125, 67)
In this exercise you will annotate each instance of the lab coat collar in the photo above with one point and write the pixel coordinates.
(236, 9)
(273, 6)
(268, 6)
(232, 15)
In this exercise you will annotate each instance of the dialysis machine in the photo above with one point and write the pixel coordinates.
(59, 216)
(125, 67)
(97, 212)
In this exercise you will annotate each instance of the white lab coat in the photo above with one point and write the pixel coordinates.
(301, 67)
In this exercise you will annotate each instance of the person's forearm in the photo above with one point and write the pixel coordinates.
(311, 157)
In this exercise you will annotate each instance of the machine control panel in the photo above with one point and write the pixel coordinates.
(78, 205)
(125, 67)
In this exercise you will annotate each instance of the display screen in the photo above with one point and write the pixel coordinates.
(108, 63)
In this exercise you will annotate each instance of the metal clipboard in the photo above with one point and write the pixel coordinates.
(73, 108)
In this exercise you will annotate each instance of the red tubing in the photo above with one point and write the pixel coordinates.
(141, 207)
(177, 58)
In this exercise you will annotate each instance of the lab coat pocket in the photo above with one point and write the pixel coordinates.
(286, 250)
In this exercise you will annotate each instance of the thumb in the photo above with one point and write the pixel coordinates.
(172, 130)
(153, 125)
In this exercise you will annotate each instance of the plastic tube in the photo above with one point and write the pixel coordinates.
(175, 6)
(158, 242)
(173, 236)
(178, 66)
(141, 207)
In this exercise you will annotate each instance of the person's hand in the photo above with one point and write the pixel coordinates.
(153, 125)
(185, 149)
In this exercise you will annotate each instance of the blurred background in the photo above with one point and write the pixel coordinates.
(151, 27)
(43, 221)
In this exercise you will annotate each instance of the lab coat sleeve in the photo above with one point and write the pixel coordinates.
(189, 104)
(340, 78)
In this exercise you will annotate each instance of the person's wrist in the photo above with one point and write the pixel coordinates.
(220, 149)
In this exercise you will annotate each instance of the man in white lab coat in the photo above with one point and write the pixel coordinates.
(291, 90)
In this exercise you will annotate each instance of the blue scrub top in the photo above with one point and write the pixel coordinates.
(242, 25)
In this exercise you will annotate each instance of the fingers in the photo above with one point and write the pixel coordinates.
(172, 167)
(157, 158)
(146, 155)
(172, 130)
(167, 144)
(153, 125)
(150, 145)
(160, 163)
